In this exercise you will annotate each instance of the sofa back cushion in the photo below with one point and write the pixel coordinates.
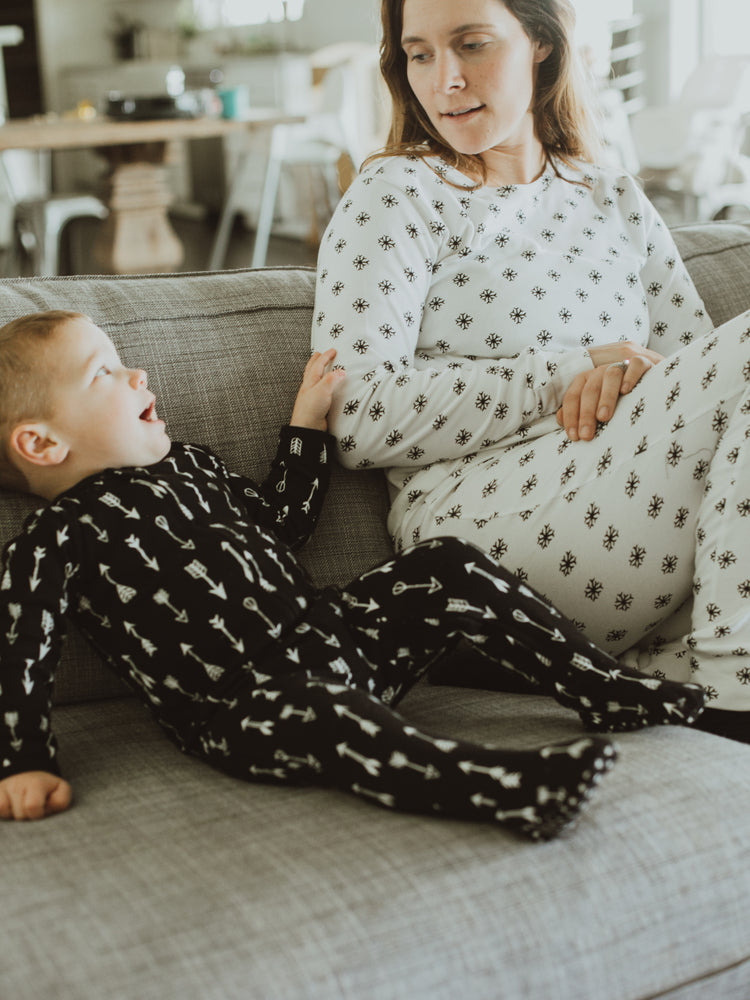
(718, 258)
(225, 354)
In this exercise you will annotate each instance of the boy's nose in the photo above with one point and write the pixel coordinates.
(139, 378)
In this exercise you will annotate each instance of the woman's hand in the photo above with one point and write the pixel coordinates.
(593, 395)
(33, 795)
(316, 392)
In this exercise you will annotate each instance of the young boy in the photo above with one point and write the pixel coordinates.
(182, 576)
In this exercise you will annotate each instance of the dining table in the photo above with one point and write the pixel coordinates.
(137, 235)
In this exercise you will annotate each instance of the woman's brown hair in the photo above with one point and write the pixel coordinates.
(563, 120)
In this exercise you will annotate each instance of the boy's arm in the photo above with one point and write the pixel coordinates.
(39, 565)
(291, 497)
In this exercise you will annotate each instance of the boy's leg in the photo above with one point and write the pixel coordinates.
(406, 612)
(310, 728)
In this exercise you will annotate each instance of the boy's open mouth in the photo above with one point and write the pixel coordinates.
(150, 412)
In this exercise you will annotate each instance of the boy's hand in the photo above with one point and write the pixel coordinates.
(33, 795)
(316, 392)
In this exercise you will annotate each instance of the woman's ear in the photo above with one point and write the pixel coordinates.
(37, 444)
(543, 49)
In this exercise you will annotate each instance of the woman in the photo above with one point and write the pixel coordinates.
(503, 309)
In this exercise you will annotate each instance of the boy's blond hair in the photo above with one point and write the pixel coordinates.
(24, 381)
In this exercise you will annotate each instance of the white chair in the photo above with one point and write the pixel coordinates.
(38, 217)
(691, 151)
(340, 130)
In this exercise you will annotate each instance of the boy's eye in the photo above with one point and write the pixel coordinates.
(102, 370)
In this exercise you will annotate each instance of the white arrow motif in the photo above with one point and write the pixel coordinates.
(203, 503)
(266, 727)
(308, 761)
(274, 772)
(400, 760)
(458, 604)
(174, 685)
(11, 721)
(307, 504)
(218, 623)
(85, 605)
(110, 500)
(265, 693)
(14, 611)
(352, 602)
(161, 522)
(432, 587)
(100, 533)
(508, 779)
(383, 798)
(366, 725)
(479, 801)
(213, 670)
(329, 640)
(162, 597)
(500, 584)
(62, 535)
(144, 680)
(134, 543)
(251, 604)
(222, 746)
(574, 750)
(370, 765)
(123, 592)
(555, 634)
(200, 572)
(185, 510)
(305, 714)
(528, 813)
(146, 645)
(385, 568)
(243, 561)
(284, 572)
(28, 684)
(35, 579)
(445, 745)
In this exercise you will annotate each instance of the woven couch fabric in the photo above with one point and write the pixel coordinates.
(168, 881)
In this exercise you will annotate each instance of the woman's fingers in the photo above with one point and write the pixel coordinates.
(594, 394)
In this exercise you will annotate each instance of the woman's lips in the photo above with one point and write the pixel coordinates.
(461, 114)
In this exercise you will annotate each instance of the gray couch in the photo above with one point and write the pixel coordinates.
(167, 880)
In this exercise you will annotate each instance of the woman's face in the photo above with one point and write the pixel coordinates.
(472, 67)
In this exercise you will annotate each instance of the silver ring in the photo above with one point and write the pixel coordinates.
(622, 365)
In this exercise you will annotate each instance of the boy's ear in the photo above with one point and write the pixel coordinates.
(36, 443)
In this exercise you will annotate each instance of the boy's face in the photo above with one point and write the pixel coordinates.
(102, 411)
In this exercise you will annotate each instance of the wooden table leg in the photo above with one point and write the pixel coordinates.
(137, 236)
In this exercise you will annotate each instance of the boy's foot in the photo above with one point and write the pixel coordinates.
(623, 699)
(551, 785)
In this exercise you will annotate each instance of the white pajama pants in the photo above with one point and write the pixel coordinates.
(642, 535)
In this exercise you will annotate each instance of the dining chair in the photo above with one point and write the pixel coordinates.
(39, 216)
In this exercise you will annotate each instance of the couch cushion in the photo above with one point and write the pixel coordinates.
(718, 258)
(168, 881)
(225, 354)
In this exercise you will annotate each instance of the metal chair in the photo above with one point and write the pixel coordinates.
(39, 217)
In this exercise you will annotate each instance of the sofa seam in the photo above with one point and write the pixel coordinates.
(705, 978)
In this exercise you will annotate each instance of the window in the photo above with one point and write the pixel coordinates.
(230, 13)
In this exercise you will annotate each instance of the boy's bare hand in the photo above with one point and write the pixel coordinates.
(33, 795)
(316, 392)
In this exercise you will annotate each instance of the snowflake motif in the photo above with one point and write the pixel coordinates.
(655, 505)
(680, 518)
(387, 331)
(463, 437)
(641, 447)
(360, 262)
(510, 274)
(506, 374)
(493, 341)
(637, 556)
(362, 219)
(443, 346)
(604, 462)
(529, 485)
(464, 321)
(605, 319)
(547, 235)
(501, 411)
(340, 245)
(663, 601)
(568, 473)
(386, 287)
(350, 407)
(347, 443)
(581, 295)
(410, 275)
(610, 538)
(743, 675)
(517, 315)
(567, 563)
(439, 422)
(592, 515)
(654, 289)
(459, 386)
(677, 300)
(672, 396)
(674, 454)
(545, 536)
(502, 239)
(726, 559)
(616, 634)
(386, 243)
(553, 274)
(543, 338)
(565, 315)
(360, 305)
(595, 276)
(720, 421)
(593, 589)
(460, 279)
(489, 488)
(700, 469)
(669, 564)
(498, 549)
(709, 377)
(376, 411)
(482, 401)
(623, 602)
(487, 295)
(395, 437)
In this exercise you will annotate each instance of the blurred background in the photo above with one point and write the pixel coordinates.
(672, 78)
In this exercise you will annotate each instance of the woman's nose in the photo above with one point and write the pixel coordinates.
(448, 74)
